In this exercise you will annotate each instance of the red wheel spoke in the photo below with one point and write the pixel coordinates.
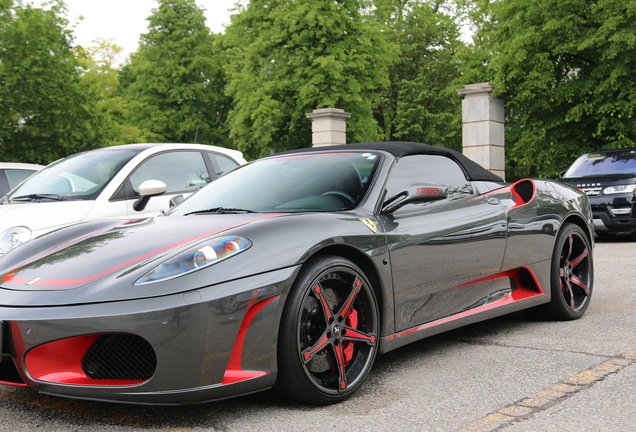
(318, 346)
(569, 290)
(578, 260)
(348, 304)
(355, 336)
(340, 359)
(323, 302)
(580, 283)
(570, 244)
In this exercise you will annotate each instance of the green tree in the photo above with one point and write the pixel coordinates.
(289, 57)
(46, 111)
(102, 77)
(174, 82)
(421, 104)
(566, 71)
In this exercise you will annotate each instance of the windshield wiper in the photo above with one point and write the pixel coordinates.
(222, 210)
(38, 197)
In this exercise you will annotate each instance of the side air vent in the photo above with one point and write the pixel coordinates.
(524, 191)
(120, 357)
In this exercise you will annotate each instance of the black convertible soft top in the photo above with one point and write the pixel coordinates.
(473, 170)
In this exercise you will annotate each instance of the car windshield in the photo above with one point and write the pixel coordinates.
(310, 182)
(78, 177)
(603, 164)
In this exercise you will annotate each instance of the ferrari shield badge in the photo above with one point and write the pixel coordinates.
(370, 224)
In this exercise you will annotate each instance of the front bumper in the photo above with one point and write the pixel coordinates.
(611, 219)
(205, 344)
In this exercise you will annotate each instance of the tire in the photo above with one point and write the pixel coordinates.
(571, 275)
(329, 331)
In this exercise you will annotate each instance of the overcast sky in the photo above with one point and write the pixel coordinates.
(124, 20)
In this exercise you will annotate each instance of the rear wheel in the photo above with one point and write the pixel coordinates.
(571, 276)
(329, 332)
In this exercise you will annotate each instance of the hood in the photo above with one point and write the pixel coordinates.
(113, 250)
(42, 217)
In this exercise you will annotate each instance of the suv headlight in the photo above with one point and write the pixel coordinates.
(619, 189)
(195, 258)
(14, 237)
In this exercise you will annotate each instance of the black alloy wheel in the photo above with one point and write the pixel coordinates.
(329, 332)
(572, 274)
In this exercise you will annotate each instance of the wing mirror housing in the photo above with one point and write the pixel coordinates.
(148, 189)
(417, 192)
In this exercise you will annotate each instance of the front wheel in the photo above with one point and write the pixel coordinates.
(329, 332)
(572, 275)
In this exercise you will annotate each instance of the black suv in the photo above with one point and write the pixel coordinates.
(608, 178)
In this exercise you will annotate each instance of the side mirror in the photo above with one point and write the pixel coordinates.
(148, 189)
(417, 192)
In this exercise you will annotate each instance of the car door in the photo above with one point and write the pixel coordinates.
(183, 172)
(441, 252)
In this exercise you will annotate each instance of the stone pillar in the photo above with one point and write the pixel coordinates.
(328, 127)
(483, 127)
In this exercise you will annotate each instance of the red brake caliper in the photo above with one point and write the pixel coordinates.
(347, 346)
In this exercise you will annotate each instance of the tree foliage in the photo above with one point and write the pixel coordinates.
(289, 57)
(566, 71)
(101, 75)
(421, 104)
(46, 111)
(174, 82)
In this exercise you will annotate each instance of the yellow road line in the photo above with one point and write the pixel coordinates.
(529, 406)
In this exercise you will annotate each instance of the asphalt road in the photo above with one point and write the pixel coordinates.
(509, 374)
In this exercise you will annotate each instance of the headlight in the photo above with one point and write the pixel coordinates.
(197, 257)
(619, 189)
(14, 237)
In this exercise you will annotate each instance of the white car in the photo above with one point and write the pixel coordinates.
(120, 182)
(12, 174)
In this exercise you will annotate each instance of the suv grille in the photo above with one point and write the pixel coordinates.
(591, 191)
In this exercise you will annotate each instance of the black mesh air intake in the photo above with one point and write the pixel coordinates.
(525, 190)
(120, 357)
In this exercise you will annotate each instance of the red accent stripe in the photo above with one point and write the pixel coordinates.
(12, 384)
(68, 282)
(234, 371)
(22, 281)
(519, 294)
